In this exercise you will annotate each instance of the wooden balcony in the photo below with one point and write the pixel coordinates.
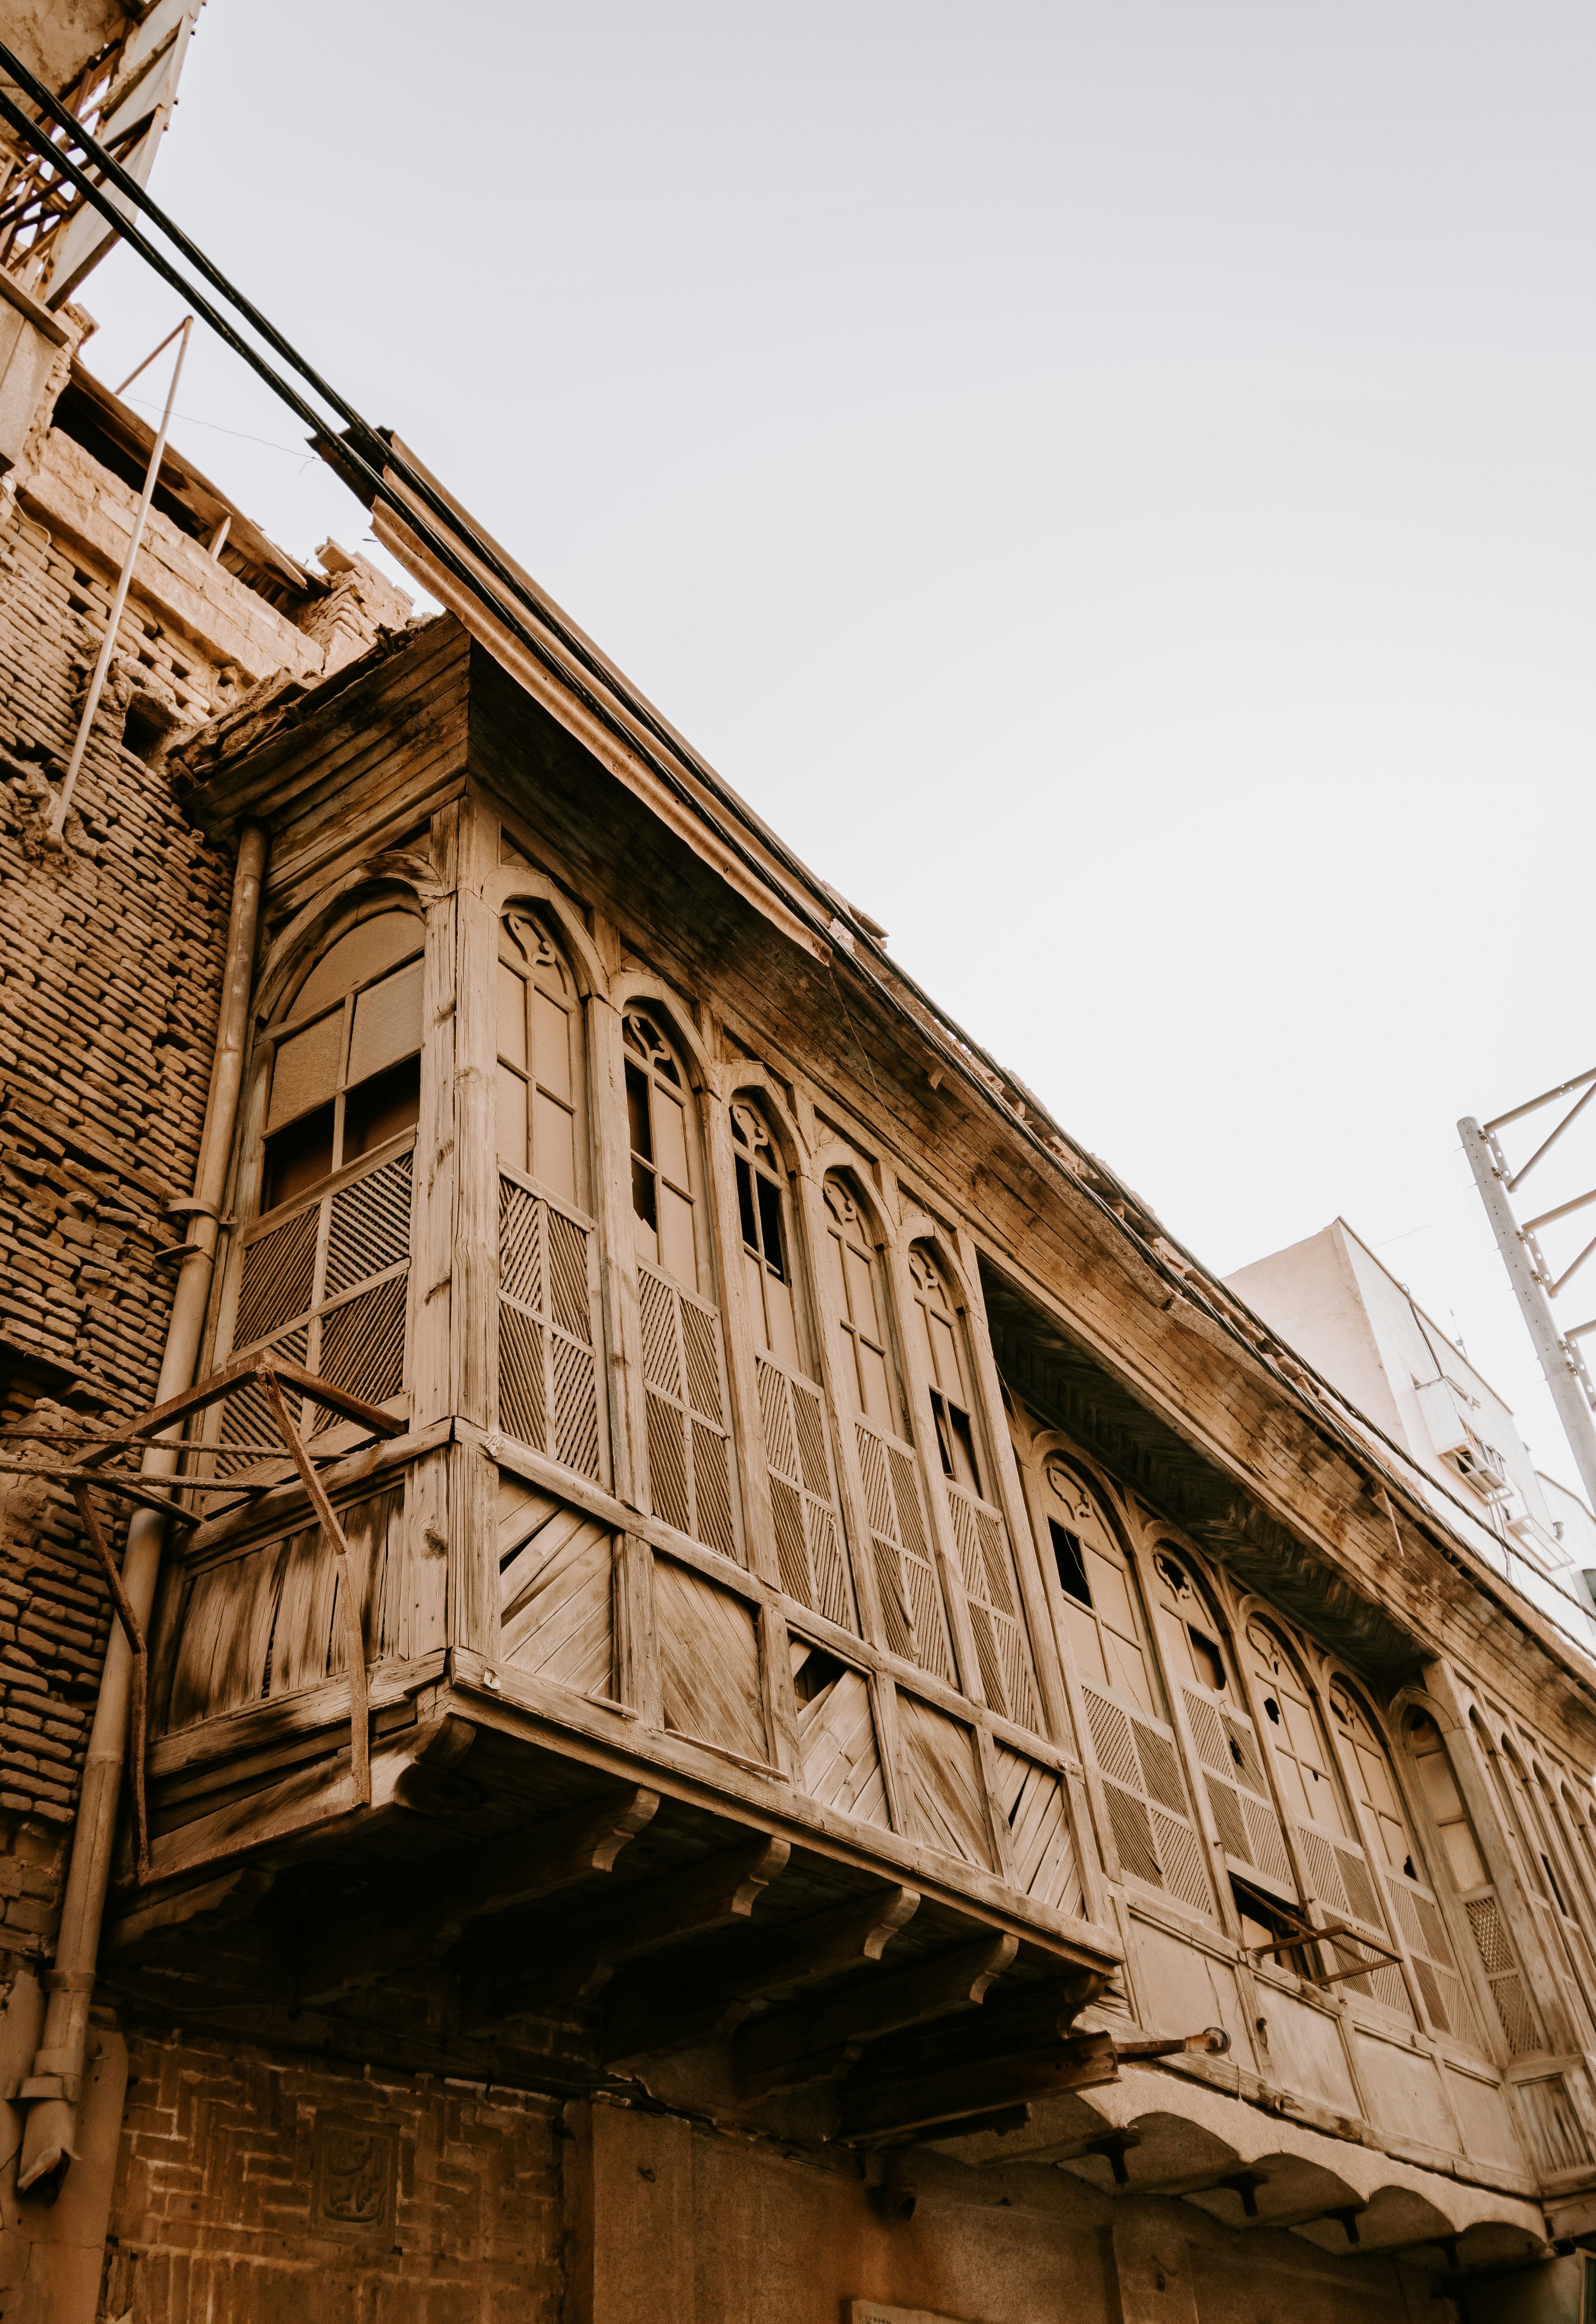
(596, 1832)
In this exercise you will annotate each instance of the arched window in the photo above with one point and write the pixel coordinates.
(1463, 1859)
(665, 1166)
(549, 1391)
(986, 1556)
(1418, 1919)
(1561, 1943)
(1338, 1872)
(1306, 1783)
(763, 1218)
(860, 1304)
(947, 1370)
(1193, 1638)
(1130, 1739)
(540, 1114)
(803, 1494)
(1198, 1660)
(1102, 1618)
(684, 1380)
(346, 1065)
(914, 1623)
(1466, 1863)
(322, 1276)
(1372, 1783)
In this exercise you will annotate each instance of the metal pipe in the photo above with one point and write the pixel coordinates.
(58, 816)
(53, 2090)
(1557, 1361)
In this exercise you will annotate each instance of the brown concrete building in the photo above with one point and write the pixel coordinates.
(761, 1700)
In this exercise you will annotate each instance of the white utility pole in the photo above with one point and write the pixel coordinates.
(1534, 1284)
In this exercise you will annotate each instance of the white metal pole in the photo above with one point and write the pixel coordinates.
(1556, 1359)
(96, 683)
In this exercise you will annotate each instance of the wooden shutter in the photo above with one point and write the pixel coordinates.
(1419, 1923)
(1488, 1928)
(991, 1589)
(1146, 1800)
(1239, 1800)
(803, 1498)
(550, 1334)
(336, 1273)
(1341, 1879)
(901, 1554)
(689, 1452)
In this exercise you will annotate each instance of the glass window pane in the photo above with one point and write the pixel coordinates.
(387, 1022)
(676, 1254)
(833, 1260)
(1088, 1646)
(510, 1119)
(1110, 1593)
(671, 1138)
(513, 1017)
(861, 1302)
(364, 951)
(554, 1145)
(1128, 1671)
(945, 1365)
(306, 1070)
(552, 1027)
(782, 1321)
(1463, 1856)
(1436, 1774)
(877, 1394)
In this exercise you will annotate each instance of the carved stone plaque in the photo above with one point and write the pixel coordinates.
(356, 2171)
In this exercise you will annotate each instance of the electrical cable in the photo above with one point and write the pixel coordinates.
(961, 1051)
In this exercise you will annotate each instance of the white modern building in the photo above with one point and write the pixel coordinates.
(1363, 1330)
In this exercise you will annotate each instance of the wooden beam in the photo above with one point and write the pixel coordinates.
(575, 1961)
(384, 1937)
(890, 2106)
(649, 2015)
(822, 2040)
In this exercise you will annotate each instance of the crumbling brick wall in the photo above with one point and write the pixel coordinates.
(252, 2188)
(113, 957)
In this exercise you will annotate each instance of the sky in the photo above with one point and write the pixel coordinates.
(1114, 486)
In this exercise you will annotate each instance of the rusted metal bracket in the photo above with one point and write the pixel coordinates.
(1379, 1956)
(148, 1435)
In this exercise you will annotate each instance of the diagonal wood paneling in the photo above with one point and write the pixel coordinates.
(556, 1592)
(945, 1805)
(837, 1749)
(709, 1670)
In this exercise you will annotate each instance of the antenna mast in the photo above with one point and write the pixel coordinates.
(1535, 1285)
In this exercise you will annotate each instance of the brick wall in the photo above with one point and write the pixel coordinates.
(113, 955)
(254, 2188)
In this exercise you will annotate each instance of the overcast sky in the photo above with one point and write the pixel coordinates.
(1114, 484)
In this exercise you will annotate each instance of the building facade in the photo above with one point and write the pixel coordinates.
(762, 1699)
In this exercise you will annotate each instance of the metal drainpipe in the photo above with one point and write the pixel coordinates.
(51, 2093)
